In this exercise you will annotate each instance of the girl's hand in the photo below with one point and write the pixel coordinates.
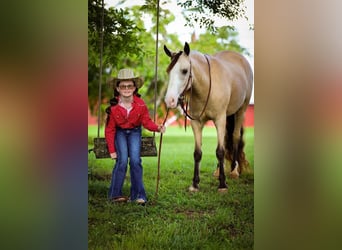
(161, 128)
(113, 156)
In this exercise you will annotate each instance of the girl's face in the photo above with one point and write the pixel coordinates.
(126, 88)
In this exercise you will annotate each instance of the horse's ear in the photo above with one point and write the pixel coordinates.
(186, 48)
(167, 51)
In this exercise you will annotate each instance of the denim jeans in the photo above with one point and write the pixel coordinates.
(127, 143)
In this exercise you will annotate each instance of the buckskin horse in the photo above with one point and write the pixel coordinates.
(212, 87)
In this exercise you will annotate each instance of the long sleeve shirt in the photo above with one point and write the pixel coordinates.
(119, 117)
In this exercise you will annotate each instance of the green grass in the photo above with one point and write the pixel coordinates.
(178, 219)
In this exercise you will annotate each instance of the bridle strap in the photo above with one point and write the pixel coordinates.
(182, 96)
(183, 99)
(206, 102)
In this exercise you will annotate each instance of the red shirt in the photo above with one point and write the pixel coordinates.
(118, 118)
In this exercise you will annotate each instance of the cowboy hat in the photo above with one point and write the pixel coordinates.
(127, 74)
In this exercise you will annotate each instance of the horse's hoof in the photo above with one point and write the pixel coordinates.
(193, 189)
(222, 190)
(235, 173)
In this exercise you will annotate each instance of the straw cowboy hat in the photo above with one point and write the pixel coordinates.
(127, 74)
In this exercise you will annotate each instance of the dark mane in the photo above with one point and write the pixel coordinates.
(174, 59)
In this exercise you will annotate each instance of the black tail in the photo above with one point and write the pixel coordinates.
(230, 122)
(229, 147)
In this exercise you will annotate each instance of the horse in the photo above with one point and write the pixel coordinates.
(216, 87)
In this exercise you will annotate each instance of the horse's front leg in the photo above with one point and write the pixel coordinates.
(197, 127)
(220, 152)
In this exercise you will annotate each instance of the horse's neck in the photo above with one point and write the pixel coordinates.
(200, 71)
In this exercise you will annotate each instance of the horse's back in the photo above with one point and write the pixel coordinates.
(230, 58)
(236, 72)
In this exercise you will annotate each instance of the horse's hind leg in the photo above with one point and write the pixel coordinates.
(237, 140)
(197, 130)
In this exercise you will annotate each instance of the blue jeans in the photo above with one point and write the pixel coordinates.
(127, 143)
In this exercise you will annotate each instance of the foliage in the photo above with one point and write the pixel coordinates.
(121, 45)
(178, 219)
(204, 12)
(224, 39)
(128, 43)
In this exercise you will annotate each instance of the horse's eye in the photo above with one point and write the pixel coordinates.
(184, 71)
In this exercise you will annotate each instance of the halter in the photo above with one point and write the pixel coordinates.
(182, 97)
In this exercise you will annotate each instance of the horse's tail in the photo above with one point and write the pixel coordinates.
(229, 154)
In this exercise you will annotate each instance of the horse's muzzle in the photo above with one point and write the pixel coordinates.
(171, 102)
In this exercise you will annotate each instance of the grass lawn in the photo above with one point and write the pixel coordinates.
(178, 219)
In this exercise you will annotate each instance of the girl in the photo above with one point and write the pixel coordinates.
(127, 113)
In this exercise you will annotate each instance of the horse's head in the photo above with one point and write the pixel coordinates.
(179, 72)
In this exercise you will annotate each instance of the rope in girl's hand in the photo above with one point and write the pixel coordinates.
(159, 153)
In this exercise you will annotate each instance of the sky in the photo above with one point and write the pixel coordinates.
(245, 37)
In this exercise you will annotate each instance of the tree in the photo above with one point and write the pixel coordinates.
(204, 12)
(223, 39)
(120, 41)
(128, 43)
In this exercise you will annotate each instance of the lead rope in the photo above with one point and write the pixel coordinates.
(159, 153)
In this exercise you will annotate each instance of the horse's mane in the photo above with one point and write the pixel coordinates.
(174, 59)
